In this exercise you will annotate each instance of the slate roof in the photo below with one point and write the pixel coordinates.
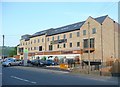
(39, 33)
(101, 19)
(67, 28)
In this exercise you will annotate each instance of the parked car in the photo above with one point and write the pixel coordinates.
(1, 60)
(50, 62)
(28, 61)
(38, 62)
(11, 62)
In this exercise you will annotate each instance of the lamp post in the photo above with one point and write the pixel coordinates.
(3, 48)
(88, 47)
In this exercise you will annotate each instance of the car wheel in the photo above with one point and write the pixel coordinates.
(19, 64)
(9, 65)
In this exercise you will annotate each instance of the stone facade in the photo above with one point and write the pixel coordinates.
(105, 37)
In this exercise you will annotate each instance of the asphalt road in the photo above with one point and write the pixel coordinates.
(37, 76)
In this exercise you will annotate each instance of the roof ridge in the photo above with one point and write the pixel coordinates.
(101, 16)
(101, 19)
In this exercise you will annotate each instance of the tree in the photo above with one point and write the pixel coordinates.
(13, 52)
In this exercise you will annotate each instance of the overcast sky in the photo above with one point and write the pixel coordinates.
(19, 18)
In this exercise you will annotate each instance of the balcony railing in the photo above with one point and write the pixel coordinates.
(87, 49)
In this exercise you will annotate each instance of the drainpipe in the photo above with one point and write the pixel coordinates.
(114, 41)
(101, 50)
(88, 47)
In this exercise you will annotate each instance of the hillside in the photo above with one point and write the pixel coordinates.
(8, 51)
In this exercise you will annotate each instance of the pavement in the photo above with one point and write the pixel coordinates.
(19, 75)
(0, 75)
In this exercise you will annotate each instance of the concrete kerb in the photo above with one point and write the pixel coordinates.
(96, 77)
(88, 76)
(44, 69)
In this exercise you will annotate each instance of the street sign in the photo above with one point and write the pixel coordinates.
(25, 51)
(25, 57)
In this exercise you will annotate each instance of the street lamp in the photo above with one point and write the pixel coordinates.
(3, 48)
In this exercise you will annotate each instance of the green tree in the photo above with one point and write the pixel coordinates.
(13, 52)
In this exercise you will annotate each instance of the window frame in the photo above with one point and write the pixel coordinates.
(64, 36)
(64, 45)
(78, 44)
(70, 35)
(78, 34)
(94, 31)
(84, 32)
(70, 44)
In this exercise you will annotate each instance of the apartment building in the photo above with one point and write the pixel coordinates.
(94, 37)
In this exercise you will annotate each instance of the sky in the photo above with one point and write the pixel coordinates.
(19, 18)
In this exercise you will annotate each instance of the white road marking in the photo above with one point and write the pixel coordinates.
(104, 80)
(59, 71)
(23, 79)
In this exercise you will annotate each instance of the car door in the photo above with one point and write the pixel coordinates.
(14, 62)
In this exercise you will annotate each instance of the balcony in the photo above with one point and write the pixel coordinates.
(85, 50)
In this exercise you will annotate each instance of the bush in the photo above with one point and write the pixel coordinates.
(43, 58)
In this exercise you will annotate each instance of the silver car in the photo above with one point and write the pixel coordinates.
(11, 62)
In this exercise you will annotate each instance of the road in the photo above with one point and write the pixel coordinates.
(37, 76)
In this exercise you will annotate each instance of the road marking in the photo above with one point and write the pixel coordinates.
(104, 80)
(23, 79)
(59, 72)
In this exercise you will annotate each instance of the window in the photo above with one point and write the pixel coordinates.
(52, 38)
(48, 38)
(58, 46)
(92, 42)
(28, 49)
(23, 43)
(64, 36)
(70, 44)
(31, 48)
(34, 48)
(78, 44)
(78, 34)
(85, 43)
(31, 42)
(38, 40)
(64, 45)
(50, 47)
(42, 40)
(93, 30)
(40, 48)
(84, 32)
(70, 35)
(58, 37)
(26, 43)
